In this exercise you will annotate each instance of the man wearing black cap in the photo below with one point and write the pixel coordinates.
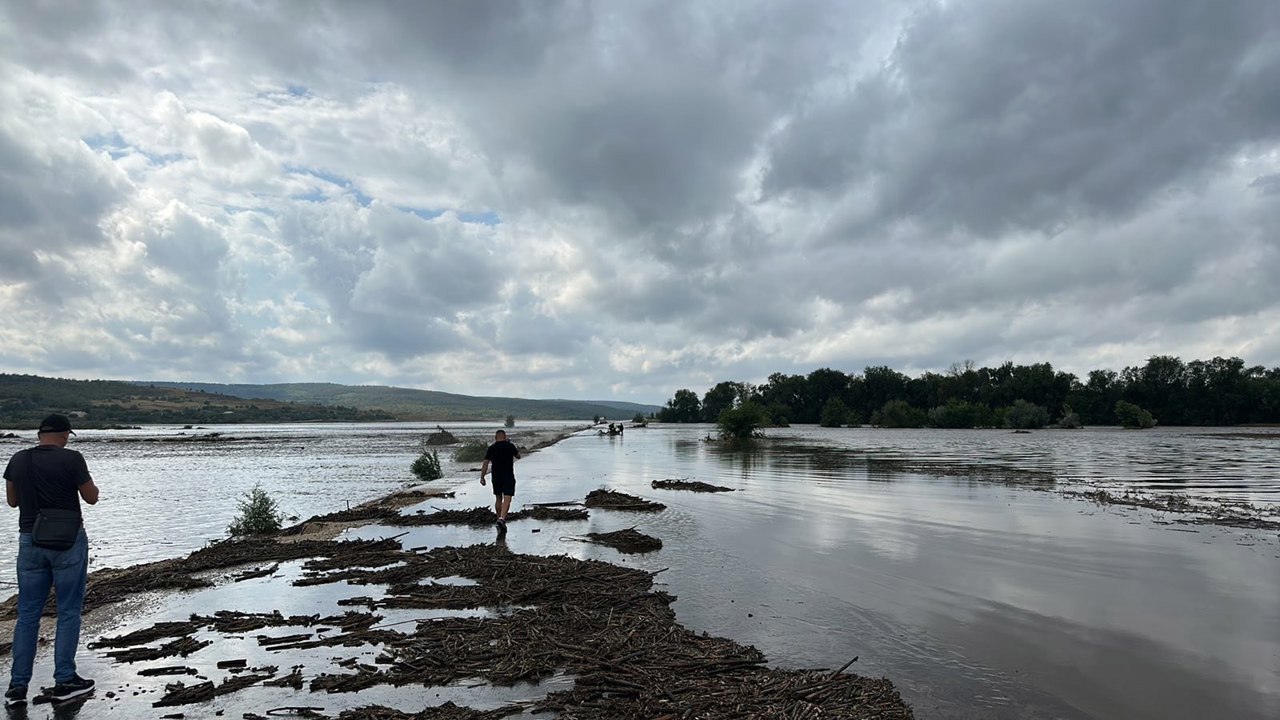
(49, 476)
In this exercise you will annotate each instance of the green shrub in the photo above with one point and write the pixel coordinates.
(510, 421)
(639, 419)
(1070, 419)
(1023, 415)
(471, 451)
(1132, 416)
(743, 422)
(899, 414)
(834, 414)
(427, 466)
(961, 414)
(258, 515)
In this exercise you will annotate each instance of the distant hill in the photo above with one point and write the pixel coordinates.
(411, 404)
(25, 399)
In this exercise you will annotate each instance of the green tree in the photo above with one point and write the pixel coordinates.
(834, 414)
(1132, 416)
(259, 515)
(961, 414)
(899, 414)
(720, 398)
(1023, 415)
(1070, 419)
(683, 408)
(743, 422)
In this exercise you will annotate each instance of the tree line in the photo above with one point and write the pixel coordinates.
(1221, 391)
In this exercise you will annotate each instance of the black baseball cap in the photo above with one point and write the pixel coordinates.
(55, 424)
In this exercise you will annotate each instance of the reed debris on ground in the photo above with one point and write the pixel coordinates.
(613, 500)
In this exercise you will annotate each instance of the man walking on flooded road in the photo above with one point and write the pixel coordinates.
(48, 481)
(503, 455)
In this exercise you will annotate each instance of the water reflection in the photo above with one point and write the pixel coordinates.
(931, 556)
(909, 549)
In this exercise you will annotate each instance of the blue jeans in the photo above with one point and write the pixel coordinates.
(38, 570)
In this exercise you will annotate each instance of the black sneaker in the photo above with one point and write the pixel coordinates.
(17, 695)
(67, 689)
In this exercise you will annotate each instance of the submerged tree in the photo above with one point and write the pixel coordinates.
(1023, 415)
(259, 514)
(1132, 416)
(743, 422)
(834, 414)
(899, 414)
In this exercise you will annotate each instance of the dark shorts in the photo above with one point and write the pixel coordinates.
(504, 486)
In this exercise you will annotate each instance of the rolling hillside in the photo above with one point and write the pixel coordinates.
(25, 399)
(411, 404)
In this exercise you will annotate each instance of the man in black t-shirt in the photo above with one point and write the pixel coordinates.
(48, 476)
(503, 455)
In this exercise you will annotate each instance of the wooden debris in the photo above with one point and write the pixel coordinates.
(167, 670)
(257, 573)
(181, 694)
(614, 500)
(690, 485)
(146, 635)
(182, 646)
(626, 541)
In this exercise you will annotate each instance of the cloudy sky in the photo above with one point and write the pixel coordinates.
(619, 199)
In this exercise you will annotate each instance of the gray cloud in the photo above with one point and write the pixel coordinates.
(575, 199)
(1000, 115)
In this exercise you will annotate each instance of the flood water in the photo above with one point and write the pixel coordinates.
(977, 596)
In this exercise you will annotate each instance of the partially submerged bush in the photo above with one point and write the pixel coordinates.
(471, 451)
(834, 414)
(743, 422)
(1023, 415)
(961, 414)
(899, 414)
(259, 515)
(510, 422)
(427, 466)
(1070, 419)
(1132, 416)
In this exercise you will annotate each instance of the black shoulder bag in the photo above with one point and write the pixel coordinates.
(55, 528)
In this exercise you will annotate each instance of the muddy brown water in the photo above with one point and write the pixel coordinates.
(987, 594)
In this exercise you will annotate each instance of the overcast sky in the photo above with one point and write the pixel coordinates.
(620, 199)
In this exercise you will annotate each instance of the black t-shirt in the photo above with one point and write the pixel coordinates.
(502, 458)
(50, 474)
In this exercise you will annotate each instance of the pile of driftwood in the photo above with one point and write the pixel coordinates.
(614, 500)
(626, 541)
(603, 624)
(690, 485)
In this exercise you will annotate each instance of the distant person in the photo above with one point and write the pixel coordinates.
(503, 454)
(49, 476)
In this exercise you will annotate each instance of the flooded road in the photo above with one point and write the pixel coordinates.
(977, 597)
